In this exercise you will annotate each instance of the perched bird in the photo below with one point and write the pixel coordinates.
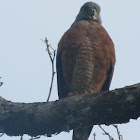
(85, 59)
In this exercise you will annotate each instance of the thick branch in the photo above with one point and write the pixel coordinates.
(117, 106)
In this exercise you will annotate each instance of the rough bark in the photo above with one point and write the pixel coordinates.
(117, 106)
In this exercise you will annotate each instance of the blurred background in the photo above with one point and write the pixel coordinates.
(25, 66)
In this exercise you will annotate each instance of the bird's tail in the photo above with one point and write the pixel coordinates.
(82, 133)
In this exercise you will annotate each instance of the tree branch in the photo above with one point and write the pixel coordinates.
(111, 107)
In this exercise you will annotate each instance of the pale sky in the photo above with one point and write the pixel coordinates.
(25, 67)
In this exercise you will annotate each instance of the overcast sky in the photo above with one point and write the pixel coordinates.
(25, 67)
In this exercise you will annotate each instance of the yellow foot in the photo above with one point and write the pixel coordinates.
(71, 94)
(92, 91)
(86, 92)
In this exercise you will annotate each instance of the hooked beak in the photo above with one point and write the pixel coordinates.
(93, 14)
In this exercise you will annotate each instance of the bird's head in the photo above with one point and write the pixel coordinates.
(89, 11)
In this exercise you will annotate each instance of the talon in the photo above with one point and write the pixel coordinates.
(92, 91)
(70, 94)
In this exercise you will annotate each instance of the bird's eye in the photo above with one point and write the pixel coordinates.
(98, 12)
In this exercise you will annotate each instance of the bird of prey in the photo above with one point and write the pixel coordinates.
(85, 59)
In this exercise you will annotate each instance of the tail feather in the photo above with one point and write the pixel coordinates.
(82, 133)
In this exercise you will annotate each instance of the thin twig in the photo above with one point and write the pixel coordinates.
(1, 83)
(1, 134)
(52, 57)
(94, 136)
(119, 135)
(105, 133)
(50, 46)
(33, 138)
(21, 138)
